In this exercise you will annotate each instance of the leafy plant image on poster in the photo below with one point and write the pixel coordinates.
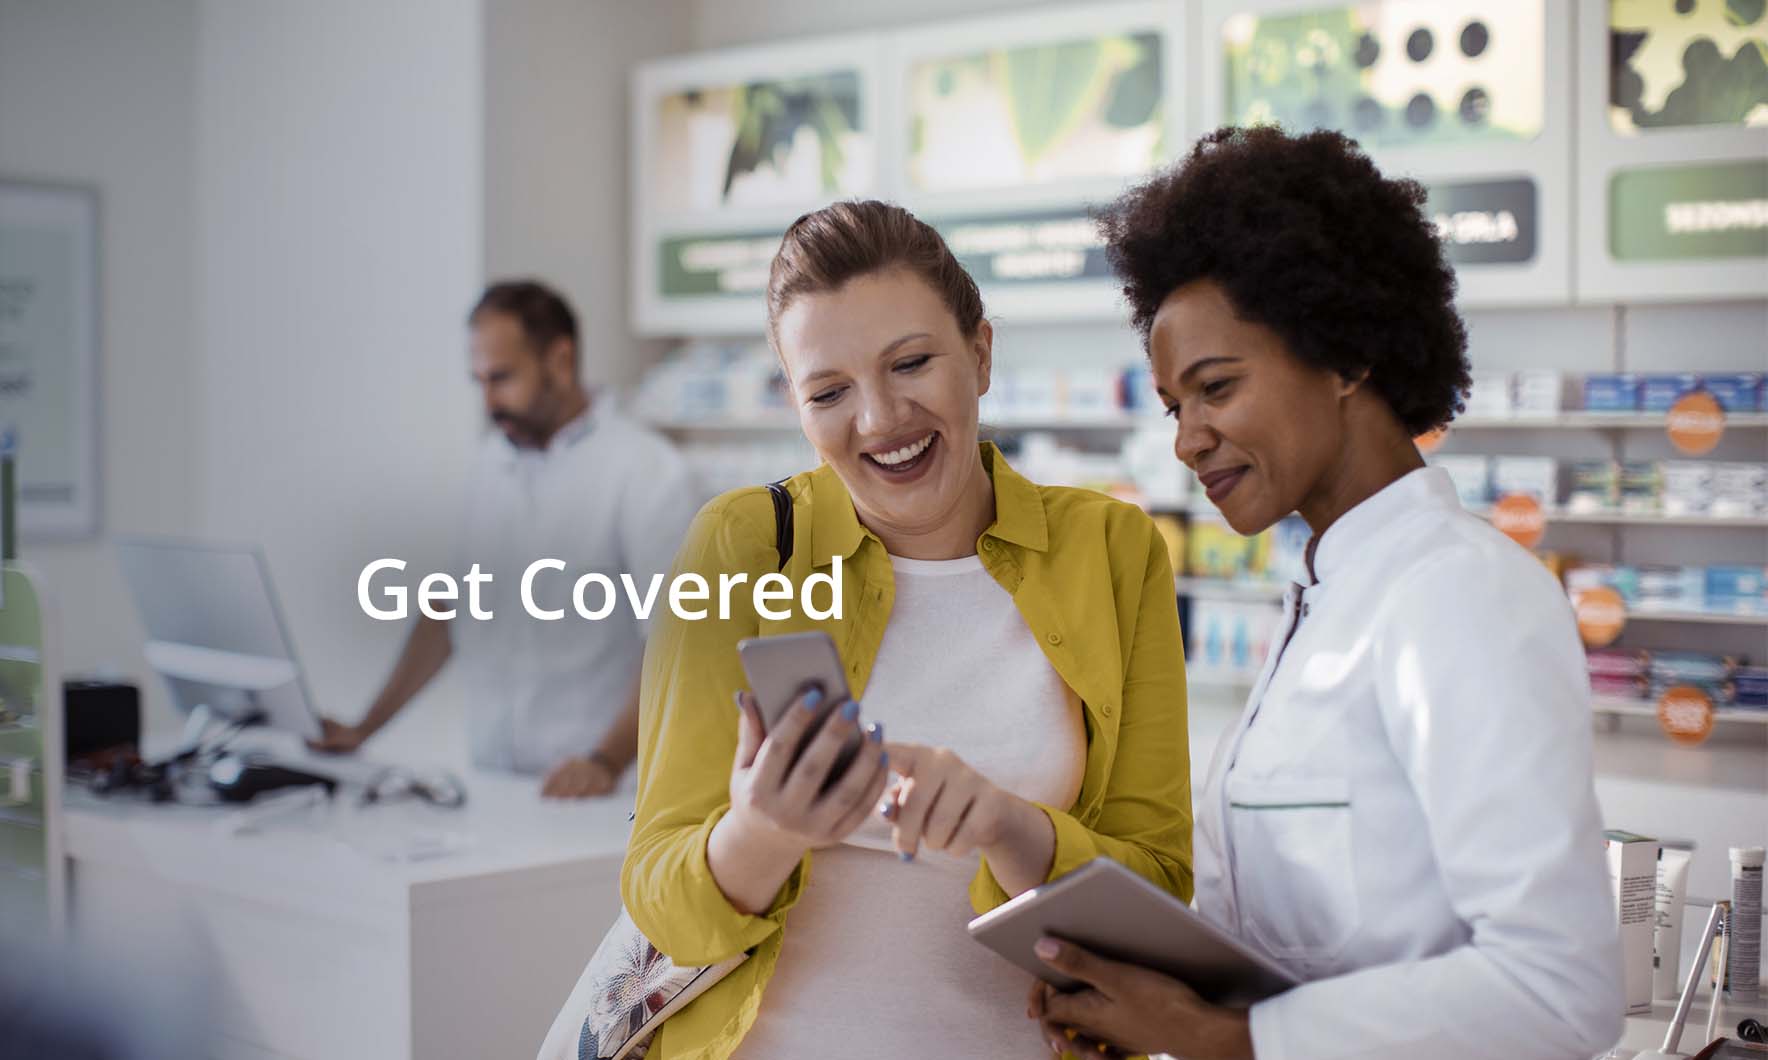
(1398, 73)
(1067, 110)
(1687, 62)
(792, 142)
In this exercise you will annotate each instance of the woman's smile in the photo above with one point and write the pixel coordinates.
(900, 464)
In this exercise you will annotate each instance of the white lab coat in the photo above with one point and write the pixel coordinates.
(606, 495)
(1404, 815)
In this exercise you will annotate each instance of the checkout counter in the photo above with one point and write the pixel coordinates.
(326, 929)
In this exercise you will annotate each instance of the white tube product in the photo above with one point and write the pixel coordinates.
(1666, 938)
(1743, 965)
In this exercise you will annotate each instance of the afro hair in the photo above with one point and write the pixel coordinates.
(1306, 237)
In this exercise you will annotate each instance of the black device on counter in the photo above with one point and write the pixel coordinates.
(242, 778)
(100, 716)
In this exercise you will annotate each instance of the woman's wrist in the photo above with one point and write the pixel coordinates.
(750, 859)
(1026, 848)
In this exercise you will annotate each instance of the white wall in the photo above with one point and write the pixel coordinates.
(102, 93)
(556, 165)
(339, 220)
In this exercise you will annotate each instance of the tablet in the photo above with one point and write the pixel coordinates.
(1115, 913)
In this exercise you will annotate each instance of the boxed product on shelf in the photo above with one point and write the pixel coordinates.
(1622, 578)
(1688, 667)
(1536, 393)
(1535, 476)
(1739, 490)
(1619, 686)
(1658, 391)
(1750, 686)
(1214, 550)
(1736, 391)
(1687, 486)
(1228, 639)
(1617, 662)
(1090, 395)
(1641, 487)
(1611, 392)
(1662, 587)
(1472, 476)
(1042, 458)
(1595, 486)
(1489, 395)
(1736, 589)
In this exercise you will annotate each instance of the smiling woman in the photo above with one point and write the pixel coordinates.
(1404, 815)
(1024, 638)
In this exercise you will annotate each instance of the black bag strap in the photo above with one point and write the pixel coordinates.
(782, 510)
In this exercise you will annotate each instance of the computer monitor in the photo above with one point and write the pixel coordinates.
(215, 632)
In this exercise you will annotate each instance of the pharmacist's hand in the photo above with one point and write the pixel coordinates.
(579, 777)
(943, 804)
(1130, 1010)
(337, 738)
(779, 798)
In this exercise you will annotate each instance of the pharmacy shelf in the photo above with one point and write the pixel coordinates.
(1640, 708)
(1710, 618)
(1570, 518)
(1583, 421)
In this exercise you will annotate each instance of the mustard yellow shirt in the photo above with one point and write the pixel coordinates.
(1091, 578)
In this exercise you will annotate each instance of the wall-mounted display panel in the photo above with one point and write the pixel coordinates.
(1673, 150)
(1010, 129)
(729, 148)
(1471, 99)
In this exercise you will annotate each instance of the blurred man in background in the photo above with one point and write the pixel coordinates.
(564, 476)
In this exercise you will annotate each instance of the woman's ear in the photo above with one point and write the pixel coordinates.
(1350, 384)
(982, 344)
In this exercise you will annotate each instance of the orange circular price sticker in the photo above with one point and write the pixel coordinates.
(1430, 441)
(1602, 614)
(1520, 517)
(1685, 713)
(1695, 423)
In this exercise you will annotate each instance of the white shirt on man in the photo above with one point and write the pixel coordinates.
(1405, 815)
(605, 494)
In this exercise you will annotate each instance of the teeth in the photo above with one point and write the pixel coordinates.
(905, 454)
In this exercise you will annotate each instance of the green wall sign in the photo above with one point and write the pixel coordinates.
(726, 264)
(1047, 246)
(1714, 211)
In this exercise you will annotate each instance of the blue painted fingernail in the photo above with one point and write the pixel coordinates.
(737, 698)
(877, 735)
(887, 810)
(813, 699)
(904, 856)
(850, 710)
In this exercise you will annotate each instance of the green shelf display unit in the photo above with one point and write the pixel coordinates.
(32, 879)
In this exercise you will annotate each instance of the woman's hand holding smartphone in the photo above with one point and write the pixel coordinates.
(786, 782)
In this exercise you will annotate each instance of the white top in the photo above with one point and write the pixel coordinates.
(875, 960)
(604, 495)
(1405, 813)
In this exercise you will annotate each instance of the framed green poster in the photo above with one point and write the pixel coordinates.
(1672, 150)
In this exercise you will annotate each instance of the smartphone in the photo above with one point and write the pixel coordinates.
(782, 668)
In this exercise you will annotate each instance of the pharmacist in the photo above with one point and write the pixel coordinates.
(1404, 815)
(565, 475)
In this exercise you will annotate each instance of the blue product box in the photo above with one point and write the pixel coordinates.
(1735, 392)
(1737, 589)
(1658, 392)
(1611, 392)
